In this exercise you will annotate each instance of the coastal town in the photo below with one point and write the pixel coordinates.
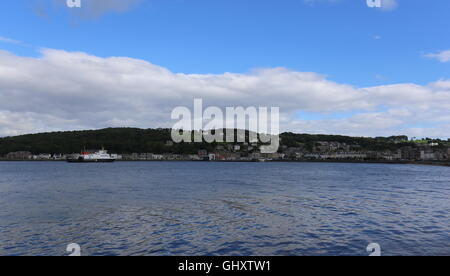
(423, 150)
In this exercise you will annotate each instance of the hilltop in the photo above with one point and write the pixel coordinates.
(130, 140)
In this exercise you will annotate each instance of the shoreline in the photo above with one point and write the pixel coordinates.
(426, 163)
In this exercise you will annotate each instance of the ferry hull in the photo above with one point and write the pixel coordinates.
(91, 161)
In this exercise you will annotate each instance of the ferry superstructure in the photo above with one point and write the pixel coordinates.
(87, 157)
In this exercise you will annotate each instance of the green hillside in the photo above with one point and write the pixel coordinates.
(129, 140)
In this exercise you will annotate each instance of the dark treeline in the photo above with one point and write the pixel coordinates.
(119, 140)
(129, 140)
(366, 143)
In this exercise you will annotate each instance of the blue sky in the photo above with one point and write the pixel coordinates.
(344, 41)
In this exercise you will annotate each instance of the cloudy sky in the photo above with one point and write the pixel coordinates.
(332, 66)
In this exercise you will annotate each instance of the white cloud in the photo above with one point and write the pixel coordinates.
(9, 40)
(95, 8)
(70, 90)
(89, 8)
(386, 5)
(443, 56)
(389, 5)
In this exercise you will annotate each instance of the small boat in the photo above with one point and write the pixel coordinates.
(92, 157)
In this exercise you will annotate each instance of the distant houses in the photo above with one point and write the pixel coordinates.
(316, 151)
(26, 155)
(19, 155)
(43, 156)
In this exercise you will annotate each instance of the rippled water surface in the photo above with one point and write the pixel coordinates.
(196, 208)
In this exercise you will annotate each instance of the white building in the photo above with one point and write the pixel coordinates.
(427, 155)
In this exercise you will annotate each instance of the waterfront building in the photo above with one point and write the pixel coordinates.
(212, 157)
(19, 155)
(427, 155)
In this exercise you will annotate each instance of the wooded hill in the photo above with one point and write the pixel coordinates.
(129, 140)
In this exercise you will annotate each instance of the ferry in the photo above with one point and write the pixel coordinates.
(90, 157)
